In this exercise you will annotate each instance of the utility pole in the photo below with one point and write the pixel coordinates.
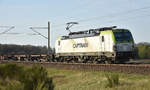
(49, 38)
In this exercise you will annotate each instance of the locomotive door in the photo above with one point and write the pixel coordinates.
(59, 46)
(102, 43)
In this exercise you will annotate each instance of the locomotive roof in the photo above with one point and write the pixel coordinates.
(89, 33)
(92, 30)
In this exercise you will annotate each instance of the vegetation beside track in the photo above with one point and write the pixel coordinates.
(18, 77)
(142, 50)
(141, 61)
(85, 80)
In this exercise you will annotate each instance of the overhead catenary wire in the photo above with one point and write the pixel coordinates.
(115, 14)
(88, 19)
(15, 33)
(119, 20)
(110, 15)
(38, 32)
(8, 28)
(83, 20)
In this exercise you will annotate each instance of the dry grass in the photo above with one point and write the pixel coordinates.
(83, 80)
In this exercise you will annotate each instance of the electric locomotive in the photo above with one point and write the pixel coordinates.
(102, 45)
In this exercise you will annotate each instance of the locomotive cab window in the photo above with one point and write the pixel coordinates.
(102, 38)
(58, 43)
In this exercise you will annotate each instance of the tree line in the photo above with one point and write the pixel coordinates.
(22, 49)
(143, 50)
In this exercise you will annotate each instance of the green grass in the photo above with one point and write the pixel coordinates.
(17, 77)
(141, 60)
(84, 80)
(112, 80)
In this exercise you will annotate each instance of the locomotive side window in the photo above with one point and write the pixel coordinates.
(58, 43)
(102, 38)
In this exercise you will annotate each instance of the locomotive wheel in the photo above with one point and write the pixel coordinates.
(108, 62)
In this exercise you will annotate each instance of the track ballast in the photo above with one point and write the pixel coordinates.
(123, 68)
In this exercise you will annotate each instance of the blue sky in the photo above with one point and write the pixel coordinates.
(23, 14)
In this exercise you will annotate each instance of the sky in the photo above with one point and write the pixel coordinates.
(23, 14)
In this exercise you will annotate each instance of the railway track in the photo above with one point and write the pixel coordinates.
(123, 68)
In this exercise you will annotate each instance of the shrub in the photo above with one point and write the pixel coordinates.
(36, 78)
(15, 77)
(10, 71)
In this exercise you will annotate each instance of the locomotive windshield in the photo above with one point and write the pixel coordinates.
(123, 36)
